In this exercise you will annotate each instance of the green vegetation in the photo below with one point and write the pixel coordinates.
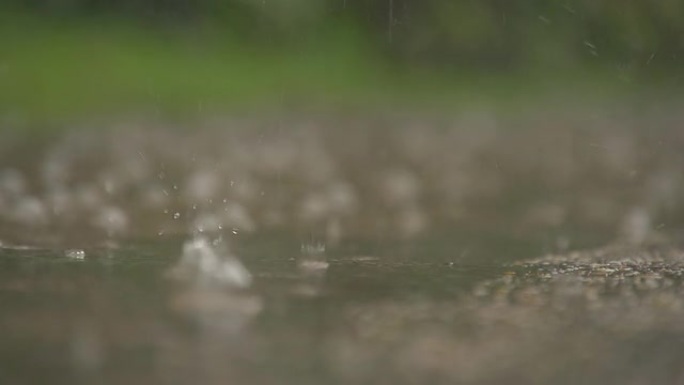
(57, 70)
(90, 58)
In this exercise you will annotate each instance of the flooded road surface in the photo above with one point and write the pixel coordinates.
(478, 249)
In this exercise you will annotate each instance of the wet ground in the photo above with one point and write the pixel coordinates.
(122, 316)
(478, 249)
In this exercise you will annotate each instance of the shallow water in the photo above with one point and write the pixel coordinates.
(116, 316)
(477, 249)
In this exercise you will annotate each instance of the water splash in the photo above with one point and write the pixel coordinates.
(213, 290)
(76, 254)
(313, 265)
(346, 184)
(206, 265)
(313, 258)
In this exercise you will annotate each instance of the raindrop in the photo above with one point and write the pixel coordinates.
(592, 47)
(390, 20)
(544, 19)
(569, 9)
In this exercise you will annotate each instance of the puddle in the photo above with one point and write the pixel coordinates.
(117, 316)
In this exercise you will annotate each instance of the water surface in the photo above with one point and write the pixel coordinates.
(475, 249)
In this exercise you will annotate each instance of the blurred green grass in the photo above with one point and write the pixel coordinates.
(57, 70)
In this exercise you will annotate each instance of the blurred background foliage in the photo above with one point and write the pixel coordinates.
(229, 51)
